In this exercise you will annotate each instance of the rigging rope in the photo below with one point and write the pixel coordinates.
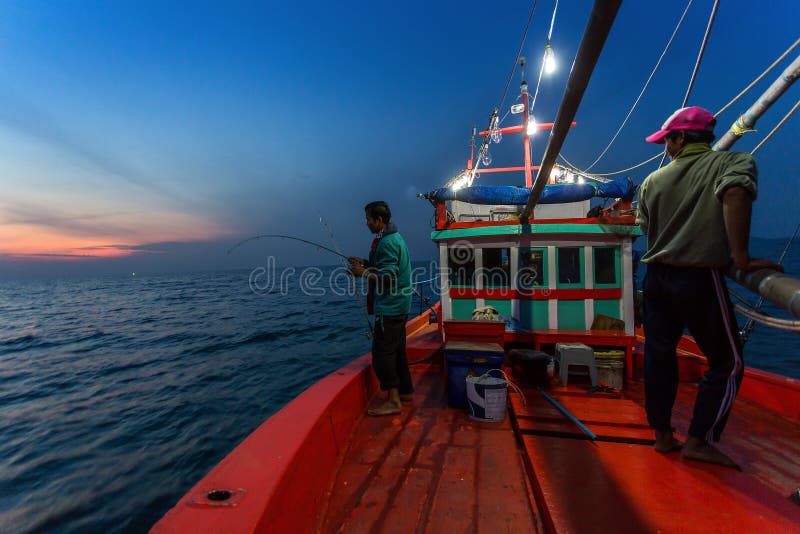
(701, 52)
(725, 107)
(748, 328)
(541, 67)
(493, 121)
(776, 128)
(516, 59)
(759, 78)
(782, 324)
(645, 162)
(649, 78)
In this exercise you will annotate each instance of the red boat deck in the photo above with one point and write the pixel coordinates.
(435, 470)
(620, 484)
(432, 469)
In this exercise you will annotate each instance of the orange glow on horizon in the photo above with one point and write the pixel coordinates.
(31, 242)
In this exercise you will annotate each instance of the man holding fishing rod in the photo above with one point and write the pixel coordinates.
(696, 215)
(388, 274)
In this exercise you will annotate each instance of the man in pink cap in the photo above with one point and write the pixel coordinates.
(696, 215)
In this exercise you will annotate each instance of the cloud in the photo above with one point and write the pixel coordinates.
(25, 118)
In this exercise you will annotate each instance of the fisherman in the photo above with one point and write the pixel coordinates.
(696, 215)
(388, 272)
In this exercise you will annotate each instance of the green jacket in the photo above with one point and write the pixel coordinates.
(390, 261)
(681, 206)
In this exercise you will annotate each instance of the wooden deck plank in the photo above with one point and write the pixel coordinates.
(619, 487)
(766, 445)
(454, 501)
(438, 471)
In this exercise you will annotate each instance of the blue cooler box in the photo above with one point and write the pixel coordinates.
(465, 358)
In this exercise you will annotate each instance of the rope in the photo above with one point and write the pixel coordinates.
(701, 52)
(760, 77)
(748, 328)
(782, 324)
(541, 67)
(493, 121)
(784, 119)
(636, 102)
(361, 302)
(516, 59)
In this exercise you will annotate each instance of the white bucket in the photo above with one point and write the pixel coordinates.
(610, 373)
(486, 396)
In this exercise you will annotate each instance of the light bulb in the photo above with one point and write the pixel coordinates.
(487, 158)
(549, 59)
(532, 126)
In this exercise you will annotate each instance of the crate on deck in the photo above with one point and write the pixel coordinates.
(468, 358)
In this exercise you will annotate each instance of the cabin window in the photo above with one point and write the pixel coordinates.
(605, 266)
(496, 267)
(570, 266)
(461, 262)
(532, 268)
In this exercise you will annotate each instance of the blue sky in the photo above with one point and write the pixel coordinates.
(156, 134)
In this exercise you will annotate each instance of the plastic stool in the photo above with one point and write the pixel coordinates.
(575, 354)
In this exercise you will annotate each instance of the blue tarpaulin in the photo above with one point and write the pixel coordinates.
(552, 194)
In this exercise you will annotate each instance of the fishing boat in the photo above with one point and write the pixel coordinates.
(569, 453)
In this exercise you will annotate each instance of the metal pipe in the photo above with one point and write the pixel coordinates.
(564, 411)
(778, 288)
(702, 51)
(594, 37)
(748, 119)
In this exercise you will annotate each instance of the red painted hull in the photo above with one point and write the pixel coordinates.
(318, 465)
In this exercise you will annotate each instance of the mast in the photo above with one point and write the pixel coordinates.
(748, 119)
(594, 37)
(526, 140)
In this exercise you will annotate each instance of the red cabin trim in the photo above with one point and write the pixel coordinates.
(535, 294)
(510, 222)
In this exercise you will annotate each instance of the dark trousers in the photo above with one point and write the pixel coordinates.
(676, 298)
(389, 354)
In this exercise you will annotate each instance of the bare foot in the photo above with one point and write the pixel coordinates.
(702, 451)
(387, 408)
(666, 442)
(407, 398)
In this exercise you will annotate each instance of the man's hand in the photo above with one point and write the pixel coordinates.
(358, 265)
(754, 264)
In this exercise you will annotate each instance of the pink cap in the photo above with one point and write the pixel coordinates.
(691, 118)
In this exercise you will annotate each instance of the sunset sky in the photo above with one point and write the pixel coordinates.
(154, 135)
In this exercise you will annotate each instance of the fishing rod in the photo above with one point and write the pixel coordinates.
(319, 246)
(423, 300)
(282, 236)
(751, 324)
(569, 416)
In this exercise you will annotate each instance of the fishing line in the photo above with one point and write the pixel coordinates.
(750, 325)
(361, 303)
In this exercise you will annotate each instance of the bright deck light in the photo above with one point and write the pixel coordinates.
(531, 129)
(549, 59)
(461, 182)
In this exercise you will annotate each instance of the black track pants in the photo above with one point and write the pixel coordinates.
(676, 298)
